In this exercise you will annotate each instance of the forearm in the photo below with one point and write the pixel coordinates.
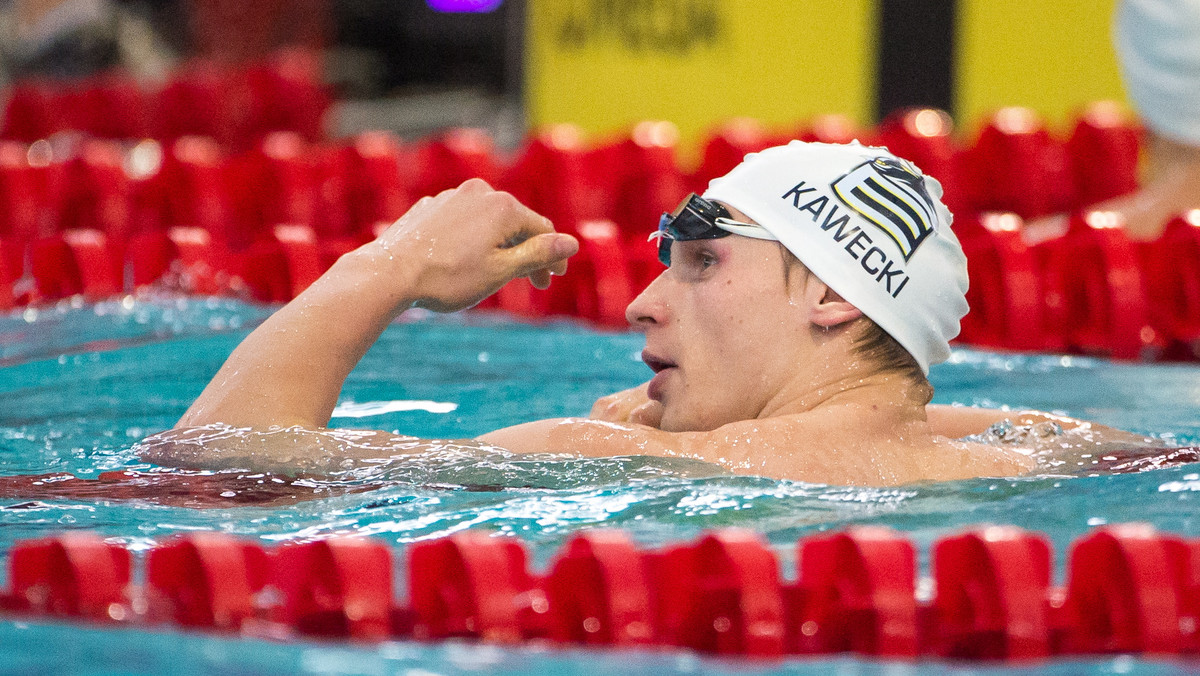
(956, 422)
(290, 370)
(445, 254)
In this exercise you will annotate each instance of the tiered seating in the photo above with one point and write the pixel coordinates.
(1128, 590)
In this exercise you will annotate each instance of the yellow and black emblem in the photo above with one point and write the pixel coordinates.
(892, 195)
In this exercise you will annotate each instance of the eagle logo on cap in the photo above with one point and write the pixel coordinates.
(891, 194)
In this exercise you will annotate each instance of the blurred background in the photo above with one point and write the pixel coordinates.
(412, 66)
(241, 146)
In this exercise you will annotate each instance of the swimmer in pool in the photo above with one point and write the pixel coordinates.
(805, 296)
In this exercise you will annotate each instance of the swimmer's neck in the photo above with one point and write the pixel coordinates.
(891, 395)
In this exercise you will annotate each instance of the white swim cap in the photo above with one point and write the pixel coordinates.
(869, 225)
(1159, 52)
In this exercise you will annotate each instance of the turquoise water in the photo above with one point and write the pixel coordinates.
(80, 384)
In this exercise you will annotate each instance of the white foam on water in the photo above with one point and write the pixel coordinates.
(366, 409)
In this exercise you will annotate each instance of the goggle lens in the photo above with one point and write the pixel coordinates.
(694, 218)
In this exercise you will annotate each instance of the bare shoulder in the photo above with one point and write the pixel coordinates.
(861, 449)
(835, 447)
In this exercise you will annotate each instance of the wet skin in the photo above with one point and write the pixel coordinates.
(756, 370)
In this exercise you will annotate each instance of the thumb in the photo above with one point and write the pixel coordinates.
(548, 251)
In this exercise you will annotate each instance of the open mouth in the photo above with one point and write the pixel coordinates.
(656, 364)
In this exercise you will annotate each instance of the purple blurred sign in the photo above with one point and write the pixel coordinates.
(463, 5)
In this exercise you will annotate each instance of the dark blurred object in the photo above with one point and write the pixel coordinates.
(915, 65)
(244, 30)
(72, 39)
(408, 46)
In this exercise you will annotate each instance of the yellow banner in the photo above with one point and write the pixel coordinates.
(607, 64)
(1053, 57)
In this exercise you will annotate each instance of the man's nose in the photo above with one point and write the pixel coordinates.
(648, 308)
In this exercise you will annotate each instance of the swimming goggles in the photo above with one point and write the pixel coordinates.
(698, 218)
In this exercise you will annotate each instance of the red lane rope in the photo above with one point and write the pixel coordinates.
(264, 214)
(1128, 589)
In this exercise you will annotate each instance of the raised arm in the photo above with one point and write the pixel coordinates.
(447, 253)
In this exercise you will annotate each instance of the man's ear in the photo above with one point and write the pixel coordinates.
(833, 310)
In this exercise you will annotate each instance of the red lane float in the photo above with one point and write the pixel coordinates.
(281, 210)
(35, 111)
(727, 147)
(473, 585)
(1171, 269)
(600, 279)
(1008, 308)
(453, 156)
(1126, 592)
(856, 593)
(1015, 165)
(833, 128)
(721, 595)
(340, 587)
(923, 136)
(641, 174)
(76, 575)
(280, 266)
(206, 580)
(380, 180)
(1103, 150)
(1093, 287)
(1129, 589)
(573, 195)
(599, 592)
(991, 595)
(74, 262)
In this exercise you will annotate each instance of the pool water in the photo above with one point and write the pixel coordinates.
(81, 383)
